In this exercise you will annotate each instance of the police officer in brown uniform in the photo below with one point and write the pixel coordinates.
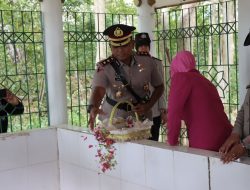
(142, 46)
(124, 76)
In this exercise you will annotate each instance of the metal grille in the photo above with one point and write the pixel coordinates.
(202, 29)
(210, 32)
(85, 45)
(22, 66)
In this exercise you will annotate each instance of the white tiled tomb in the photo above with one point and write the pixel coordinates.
(59, 158)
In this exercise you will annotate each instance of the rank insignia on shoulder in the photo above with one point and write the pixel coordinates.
(143, 53)
(106, 61)
(99, 68)
(156, 58)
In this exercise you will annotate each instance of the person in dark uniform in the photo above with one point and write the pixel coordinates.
(124, 76)
(142, 46)
(10, 104)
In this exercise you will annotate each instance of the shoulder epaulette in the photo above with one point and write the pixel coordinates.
(248, 86)
(106, 61)
(143, 53)
(156, 58)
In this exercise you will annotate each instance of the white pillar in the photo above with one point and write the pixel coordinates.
(146, 22)
(55, 68)
(244, 51)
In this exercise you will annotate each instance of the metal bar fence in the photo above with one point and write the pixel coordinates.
(202, 29)
(22, 66)
(209, 31)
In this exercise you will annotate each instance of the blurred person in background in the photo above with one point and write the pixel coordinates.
(238, 144)
(10, 104)
(142, 46)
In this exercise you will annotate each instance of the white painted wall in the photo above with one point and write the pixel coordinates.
(164, 3)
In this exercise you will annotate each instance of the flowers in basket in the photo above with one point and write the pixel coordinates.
(105, 149)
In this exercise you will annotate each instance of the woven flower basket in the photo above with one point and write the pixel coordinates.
(140, 130)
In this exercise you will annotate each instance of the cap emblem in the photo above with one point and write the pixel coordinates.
(118, 32)
(143, 36)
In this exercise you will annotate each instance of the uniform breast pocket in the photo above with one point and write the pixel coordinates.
(141, 83)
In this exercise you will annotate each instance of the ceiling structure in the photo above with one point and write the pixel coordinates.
(168, 3)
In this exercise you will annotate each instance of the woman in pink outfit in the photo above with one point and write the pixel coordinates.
(194, 99)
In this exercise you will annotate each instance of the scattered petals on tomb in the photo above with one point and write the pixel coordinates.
(105, 149)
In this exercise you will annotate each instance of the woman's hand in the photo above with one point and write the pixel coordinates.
(235, 152)
(232, 140)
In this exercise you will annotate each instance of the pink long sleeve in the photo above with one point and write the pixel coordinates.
(179, 92)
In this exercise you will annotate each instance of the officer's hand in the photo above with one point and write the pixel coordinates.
(11, 98)
(141, 109)
(230, 142)
(236, 152)
(92, 115)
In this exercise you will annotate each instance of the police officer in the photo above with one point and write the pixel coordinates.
(142, 46)
(123, 76)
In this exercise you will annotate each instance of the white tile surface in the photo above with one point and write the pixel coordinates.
(191, 171)
(159, 168)
(90, 180)
(108, 183)
(116, 172)
(130, 186)
(43, 176)
(70, 176)
(16, 179)
(29, 162)
(13, 152)
(229, 176)
(132, 163)
(42, 146)
(88, 159)
(69, 146)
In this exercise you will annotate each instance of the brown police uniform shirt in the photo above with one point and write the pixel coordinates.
(161, 103)
(140, 74)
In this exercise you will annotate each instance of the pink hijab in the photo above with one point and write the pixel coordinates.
(184, 61)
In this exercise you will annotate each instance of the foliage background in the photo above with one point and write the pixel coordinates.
(22, 58)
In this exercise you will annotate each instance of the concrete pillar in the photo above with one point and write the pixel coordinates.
(244, 51)
(55, 67)
(146, 22)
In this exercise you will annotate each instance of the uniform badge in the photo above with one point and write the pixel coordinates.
(141, 68)
(118, 32)
(118, 94)
(117, 77)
